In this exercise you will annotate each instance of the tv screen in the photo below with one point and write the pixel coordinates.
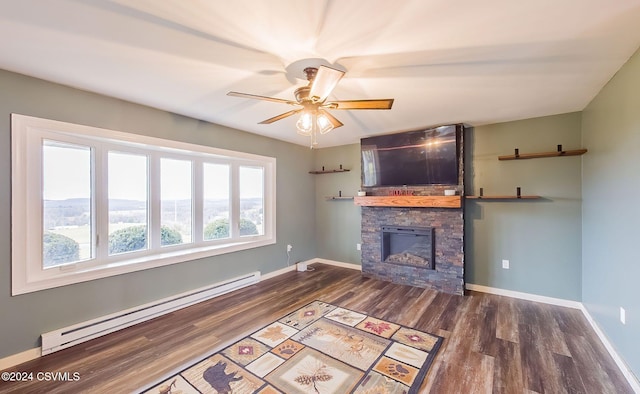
(424, 157)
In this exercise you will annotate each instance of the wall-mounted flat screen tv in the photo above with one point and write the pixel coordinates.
(422, 157)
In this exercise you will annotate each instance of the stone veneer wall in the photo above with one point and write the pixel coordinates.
(448, 275)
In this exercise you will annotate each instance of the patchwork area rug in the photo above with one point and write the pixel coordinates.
(318, 349)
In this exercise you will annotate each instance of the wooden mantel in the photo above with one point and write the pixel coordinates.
(409, 201)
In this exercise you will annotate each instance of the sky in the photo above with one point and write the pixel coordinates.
(67, 175)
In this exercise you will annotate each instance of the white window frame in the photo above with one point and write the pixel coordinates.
(27, 134)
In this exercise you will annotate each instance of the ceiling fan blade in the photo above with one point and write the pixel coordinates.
(325, 80)
(281, 116)
(335, 122)
(360, 104)
(265, 98)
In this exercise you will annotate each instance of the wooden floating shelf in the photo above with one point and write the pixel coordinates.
(521, 156)
(329, 198)
(409, 201)
(503, 197)
(328, 171)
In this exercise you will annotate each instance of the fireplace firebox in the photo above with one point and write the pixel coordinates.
(409, 246)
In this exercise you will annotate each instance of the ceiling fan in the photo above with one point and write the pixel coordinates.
(312, 103)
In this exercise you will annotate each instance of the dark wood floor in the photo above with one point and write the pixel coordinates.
(492, 344)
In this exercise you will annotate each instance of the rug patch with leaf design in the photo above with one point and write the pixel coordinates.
(318, 349)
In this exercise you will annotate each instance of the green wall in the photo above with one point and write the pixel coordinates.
(540, 238)
(610, 213)
(25, 317)
(337, 221)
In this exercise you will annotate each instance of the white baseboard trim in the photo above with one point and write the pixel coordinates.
(19, 358)
(336, 263)
(291, 267)
(279, 272)
(622, 366)
(524, 296)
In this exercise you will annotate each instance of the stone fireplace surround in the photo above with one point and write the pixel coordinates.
(448, 225)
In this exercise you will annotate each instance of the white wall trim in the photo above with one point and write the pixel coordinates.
(335, 263)
(293, 267)
(622, 366)
(525, 296)
(19, 358)
(279, 272)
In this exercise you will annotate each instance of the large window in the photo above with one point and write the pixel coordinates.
(89, 203)
(176, 199)
(251, 201)
(128, 202)
(217, 208)
(67, 202)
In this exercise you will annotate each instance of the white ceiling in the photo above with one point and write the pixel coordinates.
(467, 61)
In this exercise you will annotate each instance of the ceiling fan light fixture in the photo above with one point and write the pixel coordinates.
(312, 122)
(305, 123)
(323, 123)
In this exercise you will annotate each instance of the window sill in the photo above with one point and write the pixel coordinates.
(69, 274)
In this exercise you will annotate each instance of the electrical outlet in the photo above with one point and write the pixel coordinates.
(289, 247)
(505, 264)
(623, 316)
(358, 246)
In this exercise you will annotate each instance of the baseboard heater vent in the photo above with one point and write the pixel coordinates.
(65, 337)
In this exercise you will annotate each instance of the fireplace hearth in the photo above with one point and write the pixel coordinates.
(412, 246)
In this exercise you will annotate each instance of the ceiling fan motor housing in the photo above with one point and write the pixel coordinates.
(310, 72)
(302, 94)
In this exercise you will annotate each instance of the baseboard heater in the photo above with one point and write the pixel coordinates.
(65, 337)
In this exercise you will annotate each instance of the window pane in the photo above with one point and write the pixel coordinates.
(251, 200)
(128, 201)
(67, 201)
(216, 201)
(176, 192)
